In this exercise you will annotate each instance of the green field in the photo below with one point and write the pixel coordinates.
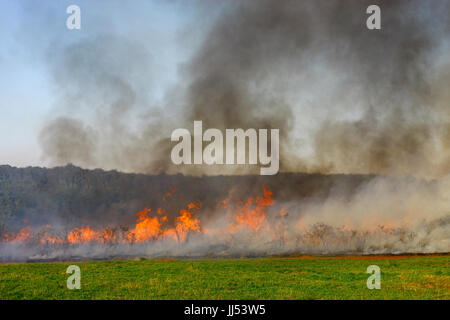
(408, 277)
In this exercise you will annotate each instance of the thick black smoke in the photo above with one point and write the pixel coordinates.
(376, 101)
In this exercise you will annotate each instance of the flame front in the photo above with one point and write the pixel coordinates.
(185, 222)
(85, 234)
(252, 214)
(256, 219)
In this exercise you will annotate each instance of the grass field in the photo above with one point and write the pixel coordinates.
(407, 277)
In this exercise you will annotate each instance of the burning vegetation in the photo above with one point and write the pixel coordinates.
(252, 227)
(150, 226)
(359, 112)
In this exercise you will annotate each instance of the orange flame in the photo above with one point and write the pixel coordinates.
(185, 222)
(146, 228)
(252, 214)
(85, 234)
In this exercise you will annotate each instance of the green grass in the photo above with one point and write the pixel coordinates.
(414, 277)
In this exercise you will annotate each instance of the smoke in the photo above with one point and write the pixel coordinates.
(383, 216)
(361, 101)
(346, 100)
(73, 142)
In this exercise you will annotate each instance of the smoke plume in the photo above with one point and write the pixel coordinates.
(346, 100)
(382, 216)
(361, 101)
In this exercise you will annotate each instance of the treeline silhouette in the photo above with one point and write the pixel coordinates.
(71, 196)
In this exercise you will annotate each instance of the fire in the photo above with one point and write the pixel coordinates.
(22, 236)
(147, 227)
(251, 222)
(150, 226)
(86, 234)
(108, 235)
(50, 239)
(252, 214)
(185, 222)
